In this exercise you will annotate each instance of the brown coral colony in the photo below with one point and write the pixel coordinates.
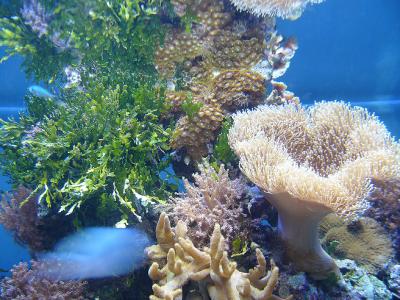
(216, 61)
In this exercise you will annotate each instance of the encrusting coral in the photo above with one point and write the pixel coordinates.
(18, 213)
(27, 284)
(363, 241)
(286, 9)
(176, 261)
(311, 162)
(213, 198)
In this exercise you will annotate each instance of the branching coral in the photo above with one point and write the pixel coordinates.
(27, 284)
(363, 241)
(214, 198)
(182, 262)
(312, 162)
(385, 208)
(22, 220)
(287, 9)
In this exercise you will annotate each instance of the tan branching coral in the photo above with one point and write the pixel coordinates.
(213, 198)
(363, 241)
(286, 9)
(312, 162)
(182, 262)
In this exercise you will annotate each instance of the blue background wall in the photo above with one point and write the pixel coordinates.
(349, 50)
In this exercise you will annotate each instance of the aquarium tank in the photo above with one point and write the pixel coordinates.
(199, 149)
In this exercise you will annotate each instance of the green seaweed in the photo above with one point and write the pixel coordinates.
(98, 148)
(222, 151)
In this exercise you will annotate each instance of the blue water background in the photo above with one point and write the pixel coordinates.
(348, 50)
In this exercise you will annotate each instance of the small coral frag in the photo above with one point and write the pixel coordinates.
(311, 162)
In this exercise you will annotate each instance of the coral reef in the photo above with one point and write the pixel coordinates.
(19, 214)
(287, 9)
(363, 241)
(27, 284)
(225, 65)
(194, 133)
(385, 208)
(311, 162)
(213, 198)
(182, 262)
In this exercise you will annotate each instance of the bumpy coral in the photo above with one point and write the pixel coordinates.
(27, 284)
(194, 133)
(363, 241)
(214, 198)
(177, 50)
(385, 208)
(176, 261)
(287, 9)
(311, 162)
(22, 220)
(218, 67)
(238, 88)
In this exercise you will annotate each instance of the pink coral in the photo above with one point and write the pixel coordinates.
(27, 284)
(22, 220)
(213, 198)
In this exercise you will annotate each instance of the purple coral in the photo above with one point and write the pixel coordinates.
(27, 284)
(22, 220)
(213, 198)
(385, 208)
(35, 15)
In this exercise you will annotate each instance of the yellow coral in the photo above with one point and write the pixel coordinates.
(183, 262)
(363, 241)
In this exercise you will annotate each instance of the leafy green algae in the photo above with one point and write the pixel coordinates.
(100, 143)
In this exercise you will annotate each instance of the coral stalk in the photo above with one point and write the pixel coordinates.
(298, 228)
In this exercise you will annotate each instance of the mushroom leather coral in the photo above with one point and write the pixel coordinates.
(184, 262)
(311, 162)
(286, 9)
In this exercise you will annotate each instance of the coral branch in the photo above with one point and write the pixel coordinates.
(212, 267)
